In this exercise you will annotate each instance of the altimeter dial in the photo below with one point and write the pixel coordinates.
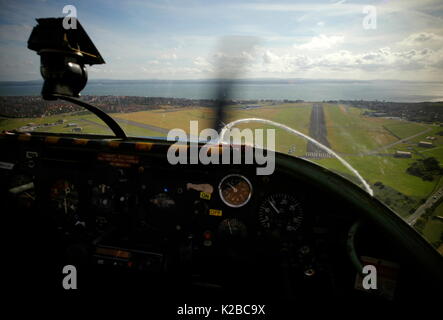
(235, 190)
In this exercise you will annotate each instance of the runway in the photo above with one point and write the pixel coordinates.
(317, 131)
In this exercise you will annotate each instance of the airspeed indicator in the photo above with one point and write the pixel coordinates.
(280, 211)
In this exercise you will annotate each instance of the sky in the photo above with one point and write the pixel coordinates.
(180, 39)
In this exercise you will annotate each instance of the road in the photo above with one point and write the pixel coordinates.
(124, 122)
(317, 131)
(399, 141)
(430, 202)
(142, 125)
(93, 123)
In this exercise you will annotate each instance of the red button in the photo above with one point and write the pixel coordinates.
(207, 235)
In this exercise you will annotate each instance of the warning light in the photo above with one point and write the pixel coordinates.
(207, 235)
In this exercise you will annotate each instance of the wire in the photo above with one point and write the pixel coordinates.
(298, 133)
(350, 245)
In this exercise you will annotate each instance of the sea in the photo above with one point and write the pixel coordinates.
(281, 89)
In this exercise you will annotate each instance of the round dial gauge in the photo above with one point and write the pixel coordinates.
(102, 197)
(280, 211)
(235, 190)
(64, 197)
(232, 228)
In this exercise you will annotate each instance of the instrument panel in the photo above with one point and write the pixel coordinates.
(150, 215)
(230, 204)
(213, 226)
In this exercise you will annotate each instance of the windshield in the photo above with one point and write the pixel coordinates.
(363, 78)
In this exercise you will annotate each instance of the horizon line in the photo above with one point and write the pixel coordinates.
(241, 79)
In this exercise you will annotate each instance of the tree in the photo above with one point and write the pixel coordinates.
(426, 169)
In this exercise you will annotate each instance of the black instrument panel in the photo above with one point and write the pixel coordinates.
(152, 201)
(220, 226)
(160, 216)
(217, 227)
(214, 214)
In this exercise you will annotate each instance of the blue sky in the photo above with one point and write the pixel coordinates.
(268, 39)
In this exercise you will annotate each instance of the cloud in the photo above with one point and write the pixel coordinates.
(321, 42)
(168, 56)
(379, 60)
(301, 7)
(203, 65)
(175, 39)
(421, 39)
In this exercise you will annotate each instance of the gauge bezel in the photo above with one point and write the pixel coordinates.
(221, 193)
(280, 194)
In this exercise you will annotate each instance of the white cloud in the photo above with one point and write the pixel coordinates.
(339, 2)
(371, 62)
(422, 39)
(168, 56)
(203, 65)
(409, 40)
(201, 62)
(273, 63)
(321, 42)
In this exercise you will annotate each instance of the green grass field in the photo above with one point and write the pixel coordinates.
(391, 171)
(433, 230)
(350, 132)
(89, 123)
(293, 115)
(404, 129)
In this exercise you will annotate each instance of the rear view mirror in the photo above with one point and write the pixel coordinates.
(63, 55)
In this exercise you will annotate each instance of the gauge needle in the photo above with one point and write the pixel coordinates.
(229, 225)
(233, 188)
(29, 196)
(273, 206)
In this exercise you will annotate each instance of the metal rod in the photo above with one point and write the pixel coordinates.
(112, 124)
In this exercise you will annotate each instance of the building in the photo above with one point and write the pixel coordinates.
(78, 129)
(251, 106)
(425, 144)
(430, 138)
(71, 125)
(375, 114)
(402, 154)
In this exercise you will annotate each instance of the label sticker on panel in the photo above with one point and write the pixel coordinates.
(205, 195)
(6, 165)
(215, 212)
